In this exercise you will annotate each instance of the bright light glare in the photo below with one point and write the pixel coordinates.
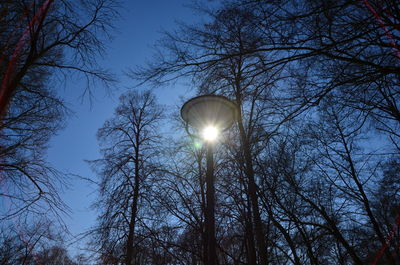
(210, 133)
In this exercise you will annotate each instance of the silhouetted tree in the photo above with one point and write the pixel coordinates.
(36, 243)
(129, 143)
(41, 43)
(316, 83)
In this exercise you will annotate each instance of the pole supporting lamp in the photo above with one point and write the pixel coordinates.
(208, 116)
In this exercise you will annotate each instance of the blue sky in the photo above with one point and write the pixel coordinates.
(139, 27)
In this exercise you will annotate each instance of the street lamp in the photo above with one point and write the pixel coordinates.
(209, 115)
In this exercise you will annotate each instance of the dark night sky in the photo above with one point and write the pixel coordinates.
(138, 29)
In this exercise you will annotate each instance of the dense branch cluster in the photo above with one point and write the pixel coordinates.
(42, 44)
(308, 173)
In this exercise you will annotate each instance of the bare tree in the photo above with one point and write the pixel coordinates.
(37, 242)
(129, 143)
(331, 65)
(42, 42)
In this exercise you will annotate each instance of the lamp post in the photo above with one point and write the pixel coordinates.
(209, 115)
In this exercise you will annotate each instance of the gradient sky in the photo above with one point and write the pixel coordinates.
(136, 31)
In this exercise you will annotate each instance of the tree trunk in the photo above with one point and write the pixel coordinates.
(132, 223)
(251, 249)
(129, 244)
(252, 189)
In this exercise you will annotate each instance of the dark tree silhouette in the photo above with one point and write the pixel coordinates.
(129, 143)
(41, 43)
(317, 84)
(37, 243)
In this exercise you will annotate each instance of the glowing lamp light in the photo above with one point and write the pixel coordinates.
(210, 133)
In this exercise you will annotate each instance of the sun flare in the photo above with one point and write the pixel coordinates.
(210, 133)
